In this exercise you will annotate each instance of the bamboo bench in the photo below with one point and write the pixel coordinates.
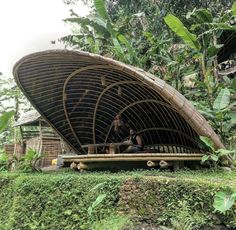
(113, 148)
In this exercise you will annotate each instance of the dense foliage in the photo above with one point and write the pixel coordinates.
(53, 202)
(98, 201)
(12, 104)
(175, 40)
(136, 32)
(178, 41)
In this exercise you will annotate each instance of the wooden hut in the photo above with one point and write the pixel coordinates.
(79, 95)
(38, 135)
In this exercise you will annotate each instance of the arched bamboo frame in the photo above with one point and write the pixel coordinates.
(102, 76)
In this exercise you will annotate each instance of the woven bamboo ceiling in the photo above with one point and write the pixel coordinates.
(79, 95)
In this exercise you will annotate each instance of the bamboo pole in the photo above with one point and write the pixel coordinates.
(73, 165)
(131, 159)
(152, 164)
(164, 164)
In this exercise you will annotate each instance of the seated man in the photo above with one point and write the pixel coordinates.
(134, 142)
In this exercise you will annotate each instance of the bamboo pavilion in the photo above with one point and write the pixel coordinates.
(80, 94)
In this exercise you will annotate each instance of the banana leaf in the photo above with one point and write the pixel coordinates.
(4, 119)
(202, 15)
(208, 142)
(233, 85)
(130, 49)
(99, 25)
(100, 6)
(213, 50)
(231, 123)
(233, 9)
(178, 27)
(222, 100)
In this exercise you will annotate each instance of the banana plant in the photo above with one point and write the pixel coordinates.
(221, 117)
(98, 31)
(213, 154)
(223, 114)
(3, 160)
(203, 19)
(4, 119)
(178, 27)
(201, 37)
(222, 100)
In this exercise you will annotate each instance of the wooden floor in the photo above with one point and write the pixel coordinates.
(130, 160)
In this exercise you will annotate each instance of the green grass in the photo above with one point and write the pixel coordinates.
(113, 222)
(215, 176)
(61, 200)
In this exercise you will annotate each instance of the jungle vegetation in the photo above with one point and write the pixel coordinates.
(180, 41)
(183, 43)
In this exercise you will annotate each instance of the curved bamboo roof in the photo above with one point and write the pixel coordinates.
(79, 95)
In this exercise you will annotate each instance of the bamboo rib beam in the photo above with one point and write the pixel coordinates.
(65, 97)
(133, 104)
(142, 110)
(99, 98)
(76, 72)
(170, 130)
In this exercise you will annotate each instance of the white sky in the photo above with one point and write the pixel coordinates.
(28, 26)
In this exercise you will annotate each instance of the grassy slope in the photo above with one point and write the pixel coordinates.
(60, 200)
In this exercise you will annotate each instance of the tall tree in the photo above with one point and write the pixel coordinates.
(12, 104)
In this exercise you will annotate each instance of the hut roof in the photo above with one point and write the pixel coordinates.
(29, 118)
(79, 95)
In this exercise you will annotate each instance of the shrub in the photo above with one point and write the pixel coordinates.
(66, 200)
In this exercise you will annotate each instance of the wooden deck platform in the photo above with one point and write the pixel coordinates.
(133, 157)
(130, 160)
